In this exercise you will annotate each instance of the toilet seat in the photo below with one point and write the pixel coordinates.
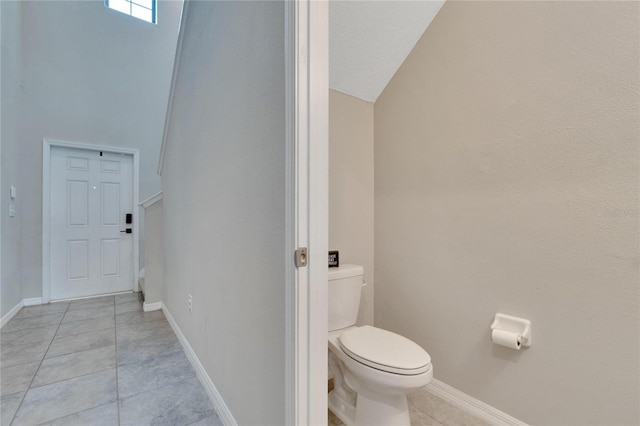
(384, 350)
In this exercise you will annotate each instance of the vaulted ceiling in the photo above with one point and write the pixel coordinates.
(369, 40)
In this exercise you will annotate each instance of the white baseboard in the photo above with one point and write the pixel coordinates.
(7, 317)
(148, 307)
(33, 301)
(471, 405)
(218, 403)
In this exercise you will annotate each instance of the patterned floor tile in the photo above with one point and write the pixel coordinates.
(178, 404)
(17, 324)
(74, 365)
(104, 415)
(61, 399)
(144, 376)
(68, 344)
(18, 377)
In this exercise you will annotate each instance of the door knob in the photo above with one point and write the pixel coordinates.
(127, 231)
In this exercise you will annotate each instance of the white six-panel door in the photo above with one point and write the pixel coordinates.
(91, 194)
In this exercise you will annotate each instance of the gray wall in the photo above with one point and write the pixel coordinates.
(224, 202)
(11, 27)
(506, 180)
(351, 188)
(90, 75)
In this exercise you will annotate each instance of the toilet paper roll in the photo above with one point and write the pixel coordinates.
(510, 339)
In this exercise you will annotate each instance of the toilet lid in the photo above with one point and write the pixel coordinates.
(384, 350)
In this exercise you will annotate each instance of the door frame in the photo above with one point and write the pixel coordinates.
(47, 144)
(307, 105)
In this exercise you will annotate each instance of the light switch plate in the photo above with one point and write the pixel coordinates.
(14, 192)
(12, 210)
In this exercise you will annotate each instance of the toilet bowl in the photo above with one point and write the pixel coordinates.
(373, 369)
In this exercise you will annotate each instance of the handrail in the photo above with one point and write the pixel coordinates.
(151, 200)
(174, 76)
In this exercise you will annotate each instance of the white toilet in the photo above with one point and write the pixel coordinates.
(373, 369)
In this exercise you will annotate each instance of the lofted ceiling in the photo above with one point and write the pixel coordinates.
(369, 40)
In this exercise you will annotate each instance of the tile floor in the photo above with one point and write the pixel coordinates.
(99, 362)
(427, 409)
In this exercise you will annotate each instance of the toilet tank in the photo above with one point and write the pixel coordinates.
(345, 288)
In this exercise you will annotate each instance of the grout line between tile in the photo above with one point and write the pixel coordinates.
(78, 412)
(90, 318)
(18, 317)
(20, 363)
(56, 335)
(36, 326)
(91, 303)
(138, 322)
(70, 378)
(76, 352)
(88, 308)
(201, 418)
(84, 332)
(38, 369)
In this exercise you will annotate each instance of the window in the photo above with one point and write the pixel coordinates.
(141, 9)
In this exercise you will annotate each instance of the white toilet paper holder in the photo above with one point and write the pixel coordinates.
(514, 324)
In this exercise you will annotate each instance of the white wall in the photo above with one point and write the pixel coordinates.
(224, 202)
(507, 180)
(10, 37)
(351, 188)
(91, 75)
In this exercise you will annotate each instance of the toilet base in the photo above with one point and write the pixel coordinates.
(371, 409)
(344, 410)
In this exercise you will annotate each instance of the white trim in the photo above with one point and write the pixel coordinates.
(174, 76)
(47, 144)
(301, 318)
(317, 110)
(310, 158)
(32, 302)
(148, 307)
(12, 313)
(471, 405)
(151, 200)
(142, 273)
(218, 403)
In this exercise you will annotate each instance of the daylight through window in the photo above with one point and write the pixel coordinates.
(141, 9)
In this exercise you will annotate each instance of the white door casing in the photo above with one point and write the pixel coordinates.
(310, 56)
(87, 192)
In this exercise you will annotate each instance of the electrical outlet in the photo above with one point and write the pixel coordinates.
(190, 303)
